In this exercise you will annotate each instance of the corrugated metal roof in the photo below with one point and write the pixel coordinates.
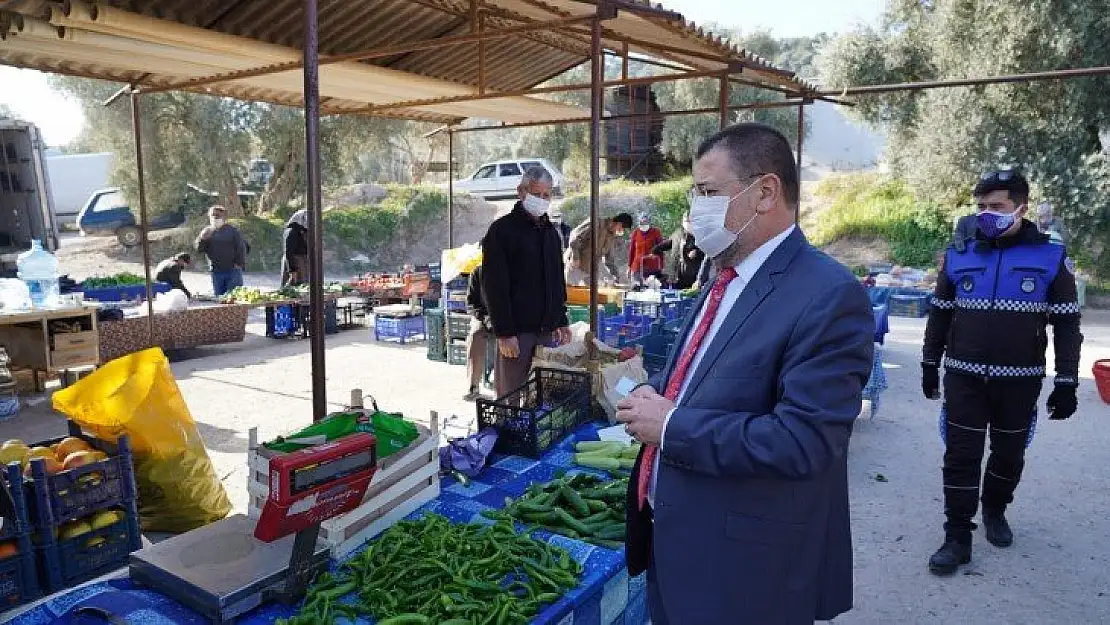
(347, 26)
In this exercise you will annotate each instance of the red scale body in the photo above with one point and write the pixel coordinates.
(315, 484)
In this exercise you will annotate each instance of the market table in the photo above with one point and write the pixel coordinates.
(605, 596)
(200, 324)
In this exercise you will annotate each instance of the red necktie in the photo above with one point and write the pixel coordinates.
(681, 368)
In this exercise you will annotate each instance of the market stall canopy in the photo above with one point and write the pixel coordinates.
(172, 43)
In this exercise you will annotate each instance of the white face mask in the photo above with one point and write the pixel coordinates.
(217, 222)
(644, 227)
(536, 205)
(707, 222)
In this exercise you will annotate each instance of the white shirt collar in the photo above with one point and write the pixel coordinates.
(747, 268)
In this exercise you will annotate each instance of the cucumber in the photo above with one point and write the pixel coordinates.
(627, 463)
(616, 531)
(597, 462)
(630, 452)
(597, 446)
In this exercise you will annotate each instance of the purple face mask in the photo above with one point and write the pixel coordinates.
(993, 225)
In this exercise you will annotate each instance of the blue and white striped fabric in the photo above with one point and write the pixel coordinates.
(606, 595)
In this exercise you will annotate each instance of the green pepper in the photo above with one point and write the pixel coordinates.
(406, 619)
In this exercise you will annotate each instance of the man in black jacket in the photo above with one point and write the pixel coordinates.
(684, 259)
(479, 334)
(987, 325)
(522, 281)
(169, 271)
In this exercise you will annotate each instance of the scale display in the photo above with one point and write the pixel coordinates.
(315, 484)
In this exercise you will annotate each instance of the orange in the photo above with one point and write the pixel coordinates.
(71, 445)
(8, 550)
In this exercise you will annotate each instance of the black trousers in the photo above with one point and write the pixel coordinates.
(975, 406)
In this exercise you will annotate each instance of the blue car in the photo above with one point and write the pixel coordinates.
(108, 212)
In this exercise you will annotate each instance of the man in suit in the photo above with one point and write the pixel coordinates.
(738, 504)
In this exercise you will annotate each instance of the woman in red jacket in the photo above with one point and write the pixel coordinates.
(641, 262)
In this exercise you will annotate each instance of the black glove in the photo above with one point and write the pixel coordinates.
(1061, 403)
(930, 381)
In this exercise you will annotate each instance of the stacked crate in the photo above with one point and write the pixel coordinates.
(85, 519)
(18, 573)
(458, 329)
(435, 327)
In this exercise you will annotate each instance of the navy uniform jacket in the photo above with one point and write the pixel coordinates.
(992, 303)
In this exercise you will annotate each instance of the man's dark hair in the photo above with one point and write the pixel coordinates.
(756, 149)
(1009, 180)
(624, 219)
(185, 258)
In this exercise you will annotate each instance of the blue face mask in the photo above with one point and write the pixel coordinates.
(993, 225)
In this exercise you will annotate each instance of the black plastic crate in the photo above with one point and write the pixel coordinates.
(78, 492)
(536, 416)
(67, 562)
(458, 326)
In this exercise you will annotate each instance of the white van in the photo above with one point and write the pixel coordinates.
(501, 178)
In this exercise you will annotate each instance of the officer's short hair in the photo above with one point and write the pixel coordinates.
(1009, 180)
(757, 149)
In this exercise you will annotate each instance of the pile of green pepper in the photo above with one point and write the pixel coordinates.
(433, 572)
(578, 506)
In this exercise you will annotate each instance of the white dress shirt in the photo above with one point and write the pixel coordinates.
(745, 271)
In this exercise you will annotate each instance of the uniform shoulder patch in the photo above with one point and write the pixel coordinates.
(1069, 264)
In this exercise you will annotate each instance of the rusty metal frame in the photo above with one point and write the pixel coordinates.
(144, 221)
(642, 80)
(315, 221)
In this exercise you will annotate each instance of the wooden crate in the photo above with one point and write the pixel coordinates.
(403, 482)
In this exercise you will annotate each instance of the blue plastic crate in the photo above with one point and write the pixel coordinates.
(66, 563)
(18, 574)
(72, 494)
(624, 329)
(124, 293)
(908, 305)
(399, 329)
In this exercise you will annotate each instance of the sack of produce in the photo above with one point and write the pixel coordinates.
(137, 395)
(633, 369)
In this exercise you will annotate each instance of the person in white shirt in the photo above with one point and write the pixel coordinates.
(738, 504)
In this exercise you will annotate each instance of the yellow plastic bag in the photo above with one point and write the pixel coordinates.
(137, 395)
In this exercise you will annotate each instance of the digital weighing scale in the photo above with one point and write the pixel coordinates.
(230, 567)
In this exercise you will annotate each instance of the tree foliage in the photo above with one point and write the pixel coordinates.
(941, 139)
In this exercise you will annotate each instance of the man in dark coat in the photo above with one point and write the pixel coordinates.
(294, 259)
(738, 504)
(522, 281)
(169, 271)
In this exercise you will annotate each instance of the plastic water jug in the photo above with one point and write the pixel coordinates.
(38, 269)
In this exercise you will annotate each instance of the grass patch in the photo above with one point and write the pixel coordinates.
(869, 205)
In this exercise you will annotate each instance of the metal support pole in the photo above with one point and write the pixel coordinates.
(724, 95)
(450, 189)
(315, 223)
(801, 132)
(136, 125)
(597, 99)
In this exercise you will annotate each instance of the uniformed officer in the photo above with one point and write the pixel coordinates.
(988, 322)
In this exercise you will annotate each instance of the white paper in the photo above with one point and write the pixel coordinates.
(615, 433)
(625, 386)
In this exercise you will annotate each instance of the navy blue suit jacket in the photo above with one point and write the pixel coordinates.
(751, 505)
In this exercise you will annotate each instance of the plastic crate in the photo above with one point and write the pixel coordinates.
(454, 300)
(18, 578)
(456, 354)
(18, 574)
(434, 333)
(623, 330)
(460, 283)
(458, 326)
(66, 563)
(536, 416)
(435, 270)
(399, 329)
(124, 293)
(78, 492)
(909, 305)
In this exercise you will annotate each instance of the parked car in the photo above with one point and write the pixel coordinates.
(107, 212)
(500, 179)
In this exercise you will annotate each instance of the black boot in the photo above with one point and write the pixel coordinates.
(949, 557)
(997, 529)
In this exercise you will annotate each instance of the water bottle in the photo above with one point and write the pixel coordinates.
(39, 271)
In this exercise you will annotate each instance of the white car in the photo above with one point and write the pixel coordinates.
(500, 179)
